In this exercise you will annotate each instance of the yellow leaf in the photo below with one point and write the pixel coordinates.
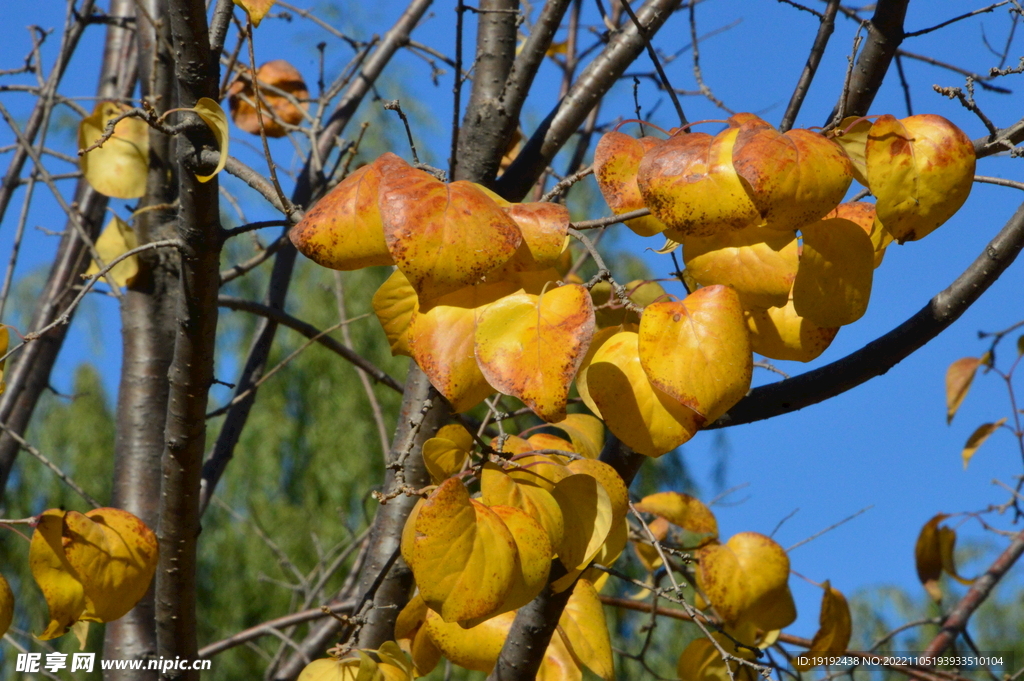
(361, 668)
(921, 170)
(793, 177)
(217, 122)
(698, 350)
(116, 239)
(863, 213)
(395, 304)
(413, 638)
(114, 555)
(542, 470)
(648, 553)
(343, 230)
(6, 606)
(747, 581)
(780, 333)
(834, 627)
(759, 263)
(463, 555)
(683, 511)
(544, 227)
(530, 347)
(393, 659)
(446, 454)
(442, 236)
(615, 386)
(833, 283)
(618, 493)
(616, 162)
(119, 167)
(959, 377)
(533, 559)
(498, 488)
(978, 437)
(549, 441)
(587, 510)
(55, 576)
(933, 555)
(689, 183)
(583, 629)
(558, 663)
(476, 648)
(586, 433)
(701, 661)
(256, 9)
(853, 140)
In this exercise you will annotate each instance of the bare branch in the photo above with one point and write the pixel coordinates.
(825, 29)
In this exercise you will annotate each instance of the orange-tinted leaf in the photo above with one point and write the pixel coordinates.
(116, 239)
(690, 184)
(6, 606)
(616, 386)
(119, 167)
(114, 555)
(747, 580)
(759, 263)
(698, 350)
(445, 454)
(583, 629)
(395, 303)
(780, 333)
(587, 510)
(920, 170)
(833, 283)
(978, 437)
(498, 488)
(463, 555)
(544, 227)
(58, 581)
(531, 346)
(441, 342)
(863, 214)
(853, 140)
(442, 236)
(959, 377)
(256, 9)
(684, 511)
(586, 433)
(280, 75)
(343, 230)
(794, 178)
(834, 627)
(616, 162)
(558, 663)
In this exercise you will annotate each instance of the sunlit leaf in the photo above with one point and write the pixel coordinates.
(780, 333)
(698, 350)
(689, 183)
(616, 162)
(587, 512)
(58, 581)
(648, 553)
(119, 167)
(614, 385)
(343, 230)
(959, 377)
(542, 470)
(475, 648)
(833, 283)
(280, 75)
(834, 627)
(921, 170)
(544, 227)
(442, 236)
(978, 437)
(256, 9)
(684, 511)
(445, 454)
(853, 139)
(116, 239)
(583, 629)
(549, 441)
(498, 488)
(863, 213)
(6, 606)
(701, 661)
(533, 559)
(747, 579)
(114, 555)
(395, 303)
(531, 346)
(794, 177)
(759, 263)
(413, 637)
(463, 555)
(217, 121)
(586, 433)
(558, 663)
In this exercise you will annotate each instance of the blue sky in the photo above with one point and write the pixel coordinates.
(885, 444)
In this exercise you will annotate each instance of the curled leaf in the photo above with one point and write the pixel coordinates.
(217, 121)
(586, 433)
(616, 162)
(395, 303)
(445, 454)
(684, 511)
(835, 627)
(978, 437)
(933, 555)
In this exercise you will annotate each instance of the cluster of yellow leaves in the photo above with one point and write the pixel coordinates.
(91, 567)
(934, 555)
(737, 202)
(391, 664)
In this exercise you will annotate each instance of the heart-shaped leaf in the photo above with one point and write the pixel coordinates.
(833, 283)
(445, 454)
(119, 167)
(780, 333)
(616, 162)
(498, 488)
(587, 510)
(116, 239)
(684, 511)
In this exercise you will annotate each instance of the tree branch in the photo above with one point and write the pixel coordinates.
(880, 355)
(828, 22)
